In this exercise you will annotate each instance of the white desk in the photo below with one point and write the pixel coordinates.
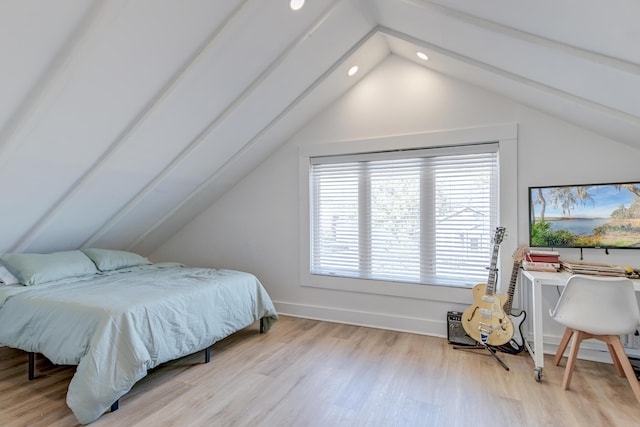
(532, 281)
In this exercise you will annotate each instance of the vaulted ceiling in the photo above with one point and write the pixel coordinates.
(121, 120)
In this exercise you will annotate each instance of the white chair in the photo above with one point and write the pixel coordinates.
(602, 308)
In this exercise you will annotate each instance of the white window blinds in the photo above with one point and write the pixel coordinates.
(421, 216)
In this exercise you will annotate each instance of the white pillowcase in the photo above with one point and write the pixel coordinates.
(7, 278)
(33, 268)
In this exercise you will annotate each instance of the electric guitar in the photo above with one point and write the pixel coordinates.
(485, 321)
(516, 343)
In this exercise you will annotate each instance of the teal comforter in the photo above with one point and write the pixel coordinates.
(115, 326)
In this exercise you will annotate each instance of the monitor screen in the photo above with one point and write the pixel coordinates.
(585, 216)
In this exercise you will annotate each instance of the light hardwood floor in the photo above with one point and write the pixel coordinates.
(311, 373)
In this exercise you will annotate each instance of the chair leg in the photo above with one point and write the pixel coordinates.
(614, 357)
(563, 346)
(626, 365)
(578, 336)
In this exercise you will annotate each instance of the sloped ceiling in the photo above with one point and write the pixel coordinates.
(121, 120)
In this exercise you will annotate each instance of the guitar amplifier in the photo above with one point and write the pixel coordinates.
(455, 331)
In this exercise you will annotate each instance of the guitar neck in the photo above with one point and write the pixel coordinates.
(512, 287)
(518, 256)
(491, 281)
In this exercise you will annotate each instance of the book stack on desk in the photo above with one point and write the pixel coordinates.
(541, 260)
(576, 267)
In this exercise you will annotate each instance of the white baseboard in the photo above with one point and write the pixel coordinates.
(589, 350)
(363, 318)
(596, 351)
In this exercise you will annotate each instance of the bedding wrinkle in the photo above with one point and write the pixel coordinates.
(117, 325)
(117, 360)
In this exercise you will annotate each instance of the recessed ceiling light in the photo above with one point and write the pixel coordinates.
(296, 4)
(352, 70)
(422, 56)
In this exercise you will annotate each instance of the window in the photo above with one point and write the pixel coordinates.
(419, 216)
(454, 142)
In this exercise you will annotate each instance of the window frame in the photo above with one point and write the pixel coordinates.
(504, 135)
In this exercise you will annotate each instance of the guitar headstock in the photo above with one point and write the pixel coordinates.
(518, 256)
(499, 235)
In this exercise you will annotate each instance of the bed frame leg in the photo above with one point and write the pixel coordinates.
(262, 325)
(115, 405)
(207, 355)
(32, 365)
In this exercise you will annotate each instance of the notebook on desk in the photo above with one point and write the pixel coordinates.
(577, 267)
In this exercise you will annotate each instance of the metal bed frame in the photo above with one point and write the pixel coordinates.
(114, 407)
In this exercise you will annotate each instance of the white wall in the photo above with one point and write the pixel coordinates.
(255, 226)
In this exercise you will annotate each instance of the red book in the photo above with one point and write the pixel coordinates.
(542, 258)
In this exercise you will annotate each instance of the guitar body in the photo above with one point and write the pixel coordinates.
(485, 321)
(515, 344)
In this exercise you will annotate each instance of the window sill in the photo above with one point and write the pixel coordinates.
(451, 294)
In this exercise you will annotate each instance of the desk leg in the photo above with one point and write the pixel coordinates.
(532, 288)
(538, 336)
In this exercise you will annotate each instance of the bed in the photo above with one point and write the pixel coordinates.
(116, 315)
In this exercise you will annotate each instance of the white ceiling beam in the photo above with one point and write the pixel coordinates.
(248, 145)
(189, 149)
(119, 143)
(52, 82)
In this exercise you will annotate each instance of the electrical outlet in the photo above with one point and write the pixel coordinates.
(630, 341)
(624, 339)
(635, 340)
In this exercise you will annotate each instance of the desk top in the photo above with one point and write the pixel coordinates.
(559, 279)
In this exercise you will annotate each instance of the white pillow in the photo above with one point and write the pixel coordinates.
(7, 278)
(32, 269)
(111, 259)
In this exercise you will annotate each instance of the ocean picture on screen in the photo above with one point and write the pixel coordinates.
(585, 216)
